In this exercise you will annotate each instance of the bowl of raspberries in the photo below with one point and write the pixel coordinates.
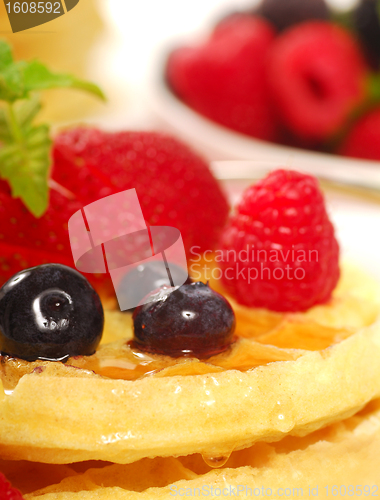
(286, 74)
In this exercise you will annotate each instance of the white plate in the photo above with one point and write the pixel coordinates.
(219, 143)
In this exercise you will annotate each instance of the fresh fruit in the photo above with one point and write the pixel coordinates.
(367, 23)
(225, 78)
(174, 185)
(285, 13)
(317, 76)
(49, 312)
(147, 277)
(363, 140)
(190, 320)
(279, 248)
(6, 490)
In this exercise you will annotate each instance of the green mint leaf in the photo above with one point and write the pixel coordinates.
(12, 83)
(5, 135)
(26, 110)
(6, 58)
(37, 76)
(18, 79)
(25, 165)
(25, 148)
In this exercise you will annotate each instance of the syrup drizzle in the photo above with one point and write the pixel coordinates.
(120, 360)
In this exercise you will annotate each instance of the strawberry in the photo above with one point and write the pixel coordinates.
(363, 140)
(279, 248)
(317, 76)
(7, 492)
(174, 185)
(225, 78)
(171, 181)
(26, 241)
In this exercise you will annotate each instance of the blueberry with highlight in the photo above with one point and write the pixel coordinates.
(49, 312)
(190, 320)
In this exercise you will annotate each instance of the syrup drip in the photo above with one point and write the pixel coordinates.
(282, 416)
(11, 370)
(216, 462)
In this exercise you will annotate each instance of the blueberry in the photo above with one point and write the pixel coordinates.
(367, 23)
(191, 320)
(49, 312)
(285, 13)
(145, 278)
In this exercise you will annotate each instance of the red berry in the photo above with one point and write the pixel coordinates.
(225, 78)
(279, 248)
(26, 241)
(317, 76)
(6, 490)
(174, 185)
(363, 141)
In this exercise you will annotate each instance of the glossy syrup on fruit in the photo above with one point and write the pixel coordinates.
(49, 312)
(190, 320)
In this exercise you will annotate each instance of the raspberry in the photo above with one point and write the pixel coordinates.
(363, 141)
(279, 248)
(367, 23)
(225, 78)
(317, 76)
(6, 490)
(284, 13)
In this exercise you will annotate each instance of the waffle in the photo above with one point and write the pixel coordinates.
(292, 403)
